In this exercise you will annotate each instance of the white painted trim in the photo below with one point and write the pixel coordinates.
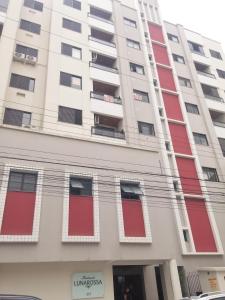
(37, 209)
(65, 237)
(122, 237)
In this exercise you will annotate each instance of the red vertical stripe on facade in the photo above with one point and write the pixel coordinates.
(161, 55)
(81, 216)
(133, 218)
(189, 178)
(156, 32)
(200, 225)
(180, 138)
(18, 213)
(166, 78)
(172, 106)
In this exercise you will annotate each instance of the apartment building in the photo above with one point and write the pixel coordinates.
(111, 152)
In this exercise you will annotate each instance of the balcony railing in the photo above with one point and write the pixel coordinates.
(219, 124)
(105, 97)
(110, 44)
(206, 74)
(99, 18)
(104, 131)
(104, 68)
(214, 98)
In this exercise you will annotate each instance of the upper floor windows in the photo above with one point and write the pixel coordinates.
(80, 186)
(22, 82)
(178, 58)
(192, 108)
(70, 115)
(71, 51)
(185, 82)
(30, 26)
(137, 69)
(71, 25)
(22, 182)
(210, 92)
(4, 5)
(130, 22)
(130, 191)
(146, 128)
(71, 80)
(196, 48)
(73, 3)
(215, 54)
(133, 44)
(37, 5)
(140, 96)
(210, 174)
(173, 37)
(16, 117)
(27, 51)
(221, 73)
(200, 139)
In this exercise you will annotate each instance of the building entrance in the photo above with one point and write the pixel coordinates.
(128, 283)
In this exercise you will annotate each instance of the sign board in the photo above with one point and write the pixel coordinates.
(87, 285)
(213, 284)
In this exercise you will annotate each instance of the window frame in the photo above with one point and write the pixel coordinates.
(22, 77)
(141, 93)
(21, 117)
(78, 7)
(200, 139)
(29, 28)
(150, 127)
(173, 38)
(131, 44)
(192, 108)
(176, 58)
(72, 47)
(68, 21)
(186, 81)
(129, 22)
(215, 54)
(221, 73)
(32, 6)
(71, 78)
(133, 65)
(74, 111)
(27, 49)
(206, 170)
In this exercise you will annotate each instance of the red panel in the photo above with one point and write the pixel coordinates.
(166, 78)
(189, 178)
(172, 106)
(161, 55)
(180, 138)
(81, 216)
(18, 214)
(156, 33)
(133, 218)
(200, 225)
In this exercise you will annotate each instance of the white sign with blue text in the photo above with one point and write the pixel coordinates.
(87, 285)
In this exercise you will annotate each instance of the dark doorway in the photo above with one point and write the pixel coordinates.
(128, 277)
(159, 283)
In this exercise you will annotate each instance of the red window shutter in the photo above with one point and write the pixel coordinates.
(180, 138)
(172, 106)
(81, 216)
(166, 78)
(18, 214)
(133, 218)
(161, 54)
(156, 32)
(200, 225)
(189, 178)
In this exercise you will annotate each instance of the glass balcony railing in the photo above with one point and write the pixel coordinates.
(100, 18)
(110, 44)
(206, 74)
(102, 67)
(214, 98)
(219, 124)
(105, 97)
(108, 132)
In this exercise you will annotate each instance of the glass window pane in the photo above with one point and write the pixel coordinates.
(15, 181)
(29, 182)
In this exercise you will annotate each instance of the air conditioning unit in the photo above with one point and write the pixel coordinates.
(31, 59)
(97, 121)
(19, 56)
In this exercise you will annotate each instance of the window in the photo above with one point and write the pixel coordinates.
(130, 191)
(173, 37)
(215, 54)
(71, 80)
(73, 3)
(178, 58)
(196, 48)
(80, 186)
(146, 128)
(210, 174)
(185, 82)
(200, 139)
(71, 51)
(133, 44)
(222, 145)
(71, 25)
(4, 5)
(130, 22)
(22, 82)
(16, 117)
(34, 4)
(70, 115)
(192, 108)
(30, 26)
(22, 181)
(26, 50)
(137, 69)
(210, 91)
(221, 73)
(140, 96)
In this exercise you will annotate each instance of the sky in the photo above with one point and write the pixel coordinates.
(203, 16)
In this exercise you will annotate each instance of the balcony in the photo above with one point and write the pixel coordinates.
(108, 127)
(222, 145)
(105, 5)
(103, 69)
(106, 98)
(218, 119)
(102, 42)
(101, 19)
(211, 92)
